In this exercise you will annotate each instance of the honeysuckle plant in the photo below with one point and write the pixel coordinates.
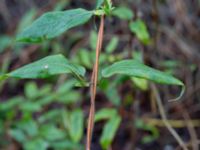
(51, 25)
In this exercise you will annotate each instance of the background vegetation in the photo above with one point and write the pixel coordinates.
(52, 113)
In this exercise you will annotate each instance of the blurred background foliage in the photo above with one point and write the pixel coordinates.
(52, 113)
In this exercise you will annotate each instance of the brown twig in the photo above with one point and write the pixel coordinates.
(93, 86)
(164, 118)
(191, 129)
(173, 123)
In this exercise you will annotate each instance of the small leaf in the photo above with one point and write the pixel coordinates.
(109, 132)
(50, 116)
(29, 127)
(60, 5)
(26, 20)
(51, 133)
(84, 57)
(139, 28)
(30, 106)
(11, 104)
(66, 87)
(70, 97)
(48, 66)
(18, 135)
(5, 42)
(106, 113)
(108, 6)
(52, 24)
(123, 13)
(139, 124)
(93, 39)
(137, 69)
(31, 91)
(36, 144)
(99, 3)
(112, 45)
(65, 145)
(76, 125)
(142, 84)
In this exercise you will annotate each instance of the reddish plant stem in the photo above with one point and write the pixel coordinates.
(93, 85)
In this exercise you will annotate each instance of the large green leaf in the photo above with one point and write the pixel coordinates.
(50, 65)
(137, 69)
(53, 24)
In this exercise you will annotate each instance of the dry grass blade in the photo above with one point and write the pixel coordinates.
(173, 123)
(93, 86)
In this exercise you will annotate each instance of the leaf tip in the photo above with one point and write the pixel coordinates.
(180, 95)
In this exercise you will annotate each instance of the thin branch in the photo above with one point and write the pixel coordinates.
(193, 134)
(173, 123)
(164, 118)
(93, 86)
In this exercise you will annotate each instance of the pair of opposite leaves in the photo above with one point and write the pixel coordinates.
(51, 25)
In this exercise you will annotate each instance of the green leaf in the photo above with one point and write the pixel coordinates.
(26, 20)
(66, 87)
(52, 24)
(139, 124)
(140, 83)
(30, 106)
(31, 91)
(61, 4)
(108, 5)
(65, 145)
(109, 132)
(18, 135)
(139, 28)
(5, 42)
(29, 127)
(11, 104)
(137, 69)
(106, 113)
(70, 97)
(46, 99)
(112, 45)
(123, 13)
(36, 144)
(76, 125)
(85, 58)
(99, 3)
(48, 66)
(51, 133)
(50, 116)
(93, 39)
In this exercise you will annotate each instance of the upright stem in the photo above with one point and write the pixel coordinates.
(93, 85)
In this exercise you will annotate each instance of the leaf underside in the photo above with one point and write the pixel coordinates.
(52, 24)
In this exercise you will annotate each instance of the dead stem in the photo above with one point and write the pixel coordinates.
(164, 118)
(93, 85)
(191, 129)
(173, 123)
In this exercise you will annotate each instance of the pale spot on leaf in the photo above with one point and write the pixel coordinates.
(46, 67)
